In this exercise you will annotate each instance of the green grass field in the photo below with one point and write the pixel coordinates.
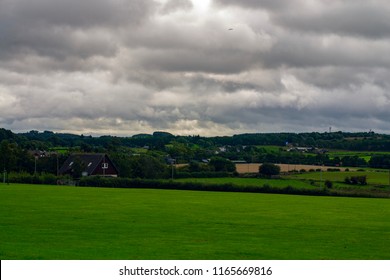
(278, 183)
(52, 222)
(366, 155)
(373, 177)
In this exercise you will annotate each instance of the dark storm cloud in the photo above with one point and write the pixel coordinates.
(75, 13)
(194, 67)
(60, 29)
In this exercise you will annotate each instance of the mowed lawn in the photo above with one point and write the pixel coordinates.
(52, 222)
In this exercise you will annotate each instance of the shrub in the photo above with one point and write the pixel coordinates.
(27, 178)
(269, 169)
(355, 180)
(220, 164)
(362, 180)
(328, 184)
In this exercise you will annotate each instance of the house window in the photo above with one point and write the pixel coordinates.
(104, 165)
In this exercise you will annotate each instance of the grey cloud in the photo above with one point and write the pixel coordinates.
(125, 67)
(260, 4)
(300, 50)
(192, 61)
(75, 13)
(67, 28)
(362, 18)
(353, 18)
(177, 5)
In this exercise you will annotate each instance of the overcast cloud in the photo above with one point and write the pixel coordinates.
(210, 67)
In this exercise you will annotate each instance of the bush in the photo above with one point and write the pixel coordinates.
(328, 184)
(362, 180)
(220, 164)
(269, 169)
(355, 180)
(27, 178)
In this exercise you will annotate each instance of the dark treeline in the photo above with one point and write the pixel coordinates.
(147, 155)
(358, 141)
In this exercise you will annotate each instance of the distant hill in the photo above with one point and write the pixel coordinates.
(355, 141)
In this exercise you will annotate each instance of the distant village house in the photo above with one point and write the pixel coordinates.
(78, 165)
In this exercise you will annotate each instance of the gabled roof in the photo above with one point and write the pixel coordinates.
(90, 161)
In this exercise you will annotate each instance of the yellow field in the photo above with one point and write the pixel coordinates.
(254, 167)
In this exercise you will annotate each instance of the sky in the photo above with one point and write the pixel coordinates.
(194, 67)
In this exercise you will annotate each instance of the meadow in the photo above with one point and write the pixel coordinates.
(53, 222)
(366, 155)
(255, 182)
(373, 177)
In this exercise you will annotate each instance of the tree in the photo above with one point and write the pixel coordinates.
(269, 169)
(220, 164)
(148, 167)
(7, 155)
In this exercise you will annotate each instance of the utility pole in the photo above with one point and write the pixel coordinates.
(57, 163)
(172, 162)
(35, 165)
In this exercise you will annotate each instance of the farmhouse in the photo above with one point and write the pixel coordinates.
(89, 165)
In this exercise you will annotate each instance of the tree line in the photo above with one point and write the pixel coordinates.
(150, 155)
(353, 141)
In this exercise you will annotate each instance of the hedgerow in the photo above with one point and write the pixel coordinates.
(196, 186)
(109, 182)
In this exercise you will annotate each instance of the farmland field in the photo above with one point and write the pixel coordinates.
(254, 167)
(374, 178)
(366, 155)
(256, 182)
(51, 222)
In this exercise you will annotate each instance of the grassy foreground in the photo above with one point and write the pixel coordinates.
(51, 222)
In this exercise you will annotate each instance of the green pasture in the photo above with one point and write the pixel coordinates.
(52, 222)
(366, 155)
(278, 183)
(374, 178)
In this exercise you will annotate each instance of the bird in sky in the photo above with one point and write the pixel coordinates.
(230, 29)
